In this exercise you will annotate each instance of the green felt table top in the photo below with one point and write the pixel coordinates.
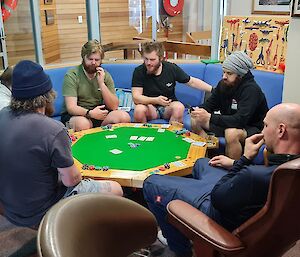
(94, 149)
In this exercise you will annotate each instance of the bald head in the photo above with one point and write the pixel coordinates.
(287, 113)
(282, 129)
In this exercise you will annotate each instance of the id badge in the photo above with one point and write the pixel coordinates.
(234, 104)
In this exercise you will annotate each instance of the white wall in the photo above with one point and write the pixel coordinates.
(193, 16)
(240, 7)
(291, 90)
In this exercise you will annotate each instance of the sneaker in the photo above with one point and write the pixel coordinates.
(161, 238)
(141, 253)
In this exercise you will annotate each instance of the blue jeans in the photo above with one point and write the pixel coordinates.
(160, 190)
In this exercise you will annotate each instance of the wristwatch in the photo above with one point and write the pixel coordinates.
(87, 115)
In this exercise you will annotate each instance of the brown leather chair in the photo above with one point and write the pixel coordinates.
(269, 233)
(90, 225)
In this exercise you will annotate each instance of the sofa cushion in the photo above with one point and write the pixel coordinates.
(213, 74)
(271, 84)
(186, 94)
(121, 73)
(57, 78)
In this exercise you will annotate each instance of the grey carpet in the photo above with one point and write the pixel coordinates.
(13, 238)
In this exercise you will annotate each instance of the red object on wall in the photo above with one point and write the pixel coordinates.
(281, 66)
(173, 7)
(7, 7)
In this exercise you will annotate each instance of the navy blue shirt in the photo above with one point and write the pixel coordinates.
(241, 193)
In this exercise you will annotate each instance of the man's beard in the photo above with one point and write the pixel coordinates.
(154, 69)
(49, 109)
(229, 88)
(90, 69)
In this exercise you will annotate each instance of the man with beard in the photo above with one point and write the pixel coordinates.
(153, 86)
(228, 191)
(36, 164)
(89, 92)
(240, 102)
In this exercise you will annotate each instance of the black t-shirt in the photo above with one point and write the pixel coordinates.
(33, 146)
(163, 84)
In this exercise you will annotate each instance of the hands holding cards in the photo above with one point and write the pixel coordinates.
(163, 101)
(99, 112)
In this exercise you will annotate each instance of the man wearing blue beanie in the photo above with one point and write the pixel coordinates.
(36, 164)
(240, 103)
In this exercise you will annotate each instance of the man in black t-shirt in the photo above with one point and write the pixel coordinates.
(153, 86)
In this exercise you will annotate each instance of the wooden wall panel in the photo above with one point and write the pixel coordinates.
(114, 25)
(50, 37)
(72, 35)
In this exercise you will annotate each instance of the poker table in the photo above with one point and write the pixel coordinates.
(129, 153)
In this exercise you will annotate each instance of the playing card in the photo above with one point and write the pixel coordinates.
(150, 139)
(116, 151)
(111, 136)
(165, 126)
(199, 143)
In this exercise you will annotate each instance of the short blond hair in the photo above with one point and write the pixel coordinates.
(91, 47)
(149, 47)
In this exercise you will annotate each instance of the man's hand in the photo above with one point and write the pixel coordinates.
(201, 114)
(162, 100)
(100, 76)
(252, 145)
(221, 161)
(99, 112)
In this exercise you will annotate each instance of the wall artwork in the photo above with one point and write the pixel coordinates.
(296, 8)
(263, 38)
(276, 7)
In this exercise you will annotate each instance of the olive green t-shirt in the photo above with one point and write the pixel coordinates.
(77, 84)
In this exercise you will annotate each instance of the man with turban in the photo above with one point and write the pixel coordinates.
(236, 108)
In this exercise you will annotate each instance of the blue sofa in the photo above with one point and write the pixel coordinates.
(271, 84)
(122, 75)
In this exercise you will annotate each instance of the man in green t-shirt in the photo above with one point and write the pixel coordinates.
(89, 92)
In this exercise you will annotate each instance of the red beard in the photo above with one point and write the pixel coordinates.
(90, 69)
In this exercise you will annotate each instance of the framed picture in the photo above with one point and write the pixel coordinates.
(296, 8)
(276, 7)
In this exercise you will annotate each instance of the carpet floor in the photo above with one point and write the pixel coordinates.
(12, 238)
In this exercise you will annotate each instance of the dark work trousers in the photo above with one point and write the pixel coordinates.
(160, 190)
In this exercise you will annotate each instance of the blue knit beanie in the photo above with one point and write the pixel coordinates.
(29, 80)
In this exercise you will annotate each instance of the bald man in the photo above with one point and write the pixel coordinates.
(228, 191)
(240, 102)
